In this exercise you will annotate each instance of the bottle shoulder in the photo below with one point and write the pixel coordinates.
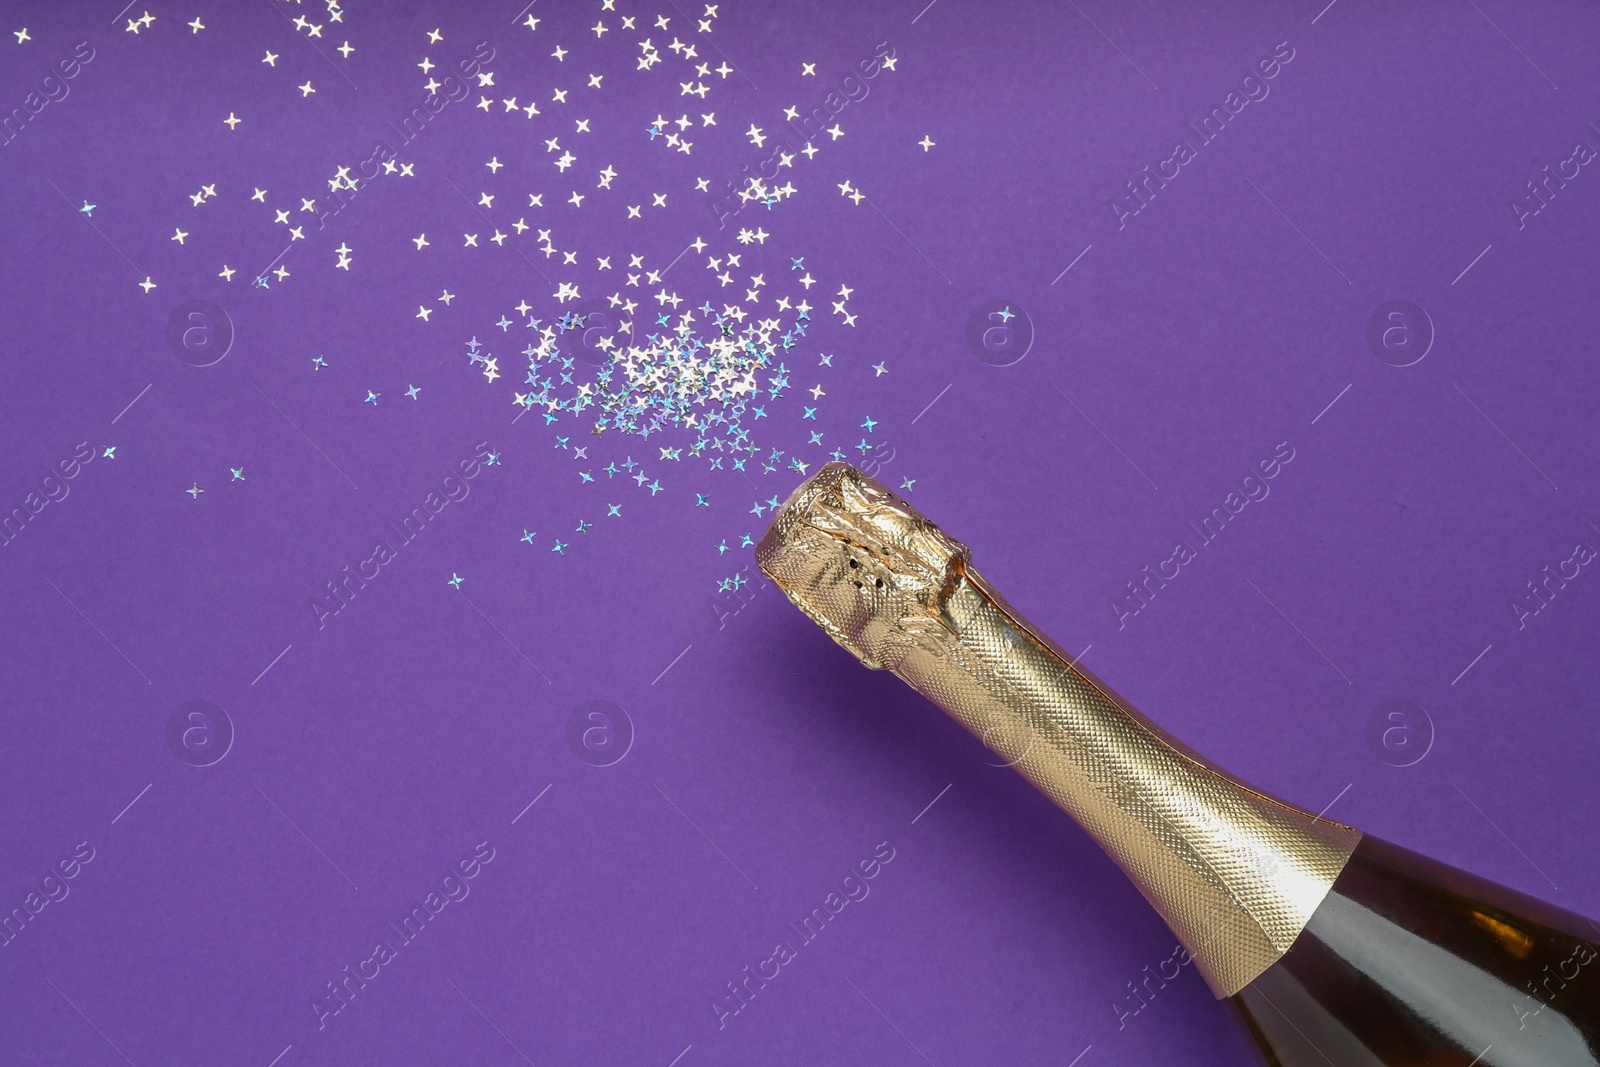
(1412, 961)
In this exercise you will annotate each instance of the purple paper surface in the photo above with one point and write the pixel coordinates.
(1072, 274)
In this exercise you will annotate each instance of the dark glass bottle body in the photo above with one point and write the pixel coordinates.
(1409, 962)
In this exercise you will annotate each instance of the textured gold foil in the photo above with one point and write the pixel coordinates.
(1235, 873)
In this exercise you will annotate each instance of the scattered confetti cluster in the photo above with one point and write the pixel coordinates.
(700, 351)
(701, 375)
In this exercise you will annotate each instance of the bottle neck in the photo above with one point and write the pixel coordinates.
(1237, 874)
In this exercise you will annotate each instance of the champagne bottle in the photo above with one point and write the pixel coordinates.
(1332, 947)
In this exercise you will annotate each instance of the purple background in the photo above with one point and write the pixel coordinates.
(374, 753)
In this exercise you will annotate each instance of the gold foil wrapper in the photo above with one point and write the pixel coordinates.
(1235, 873)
